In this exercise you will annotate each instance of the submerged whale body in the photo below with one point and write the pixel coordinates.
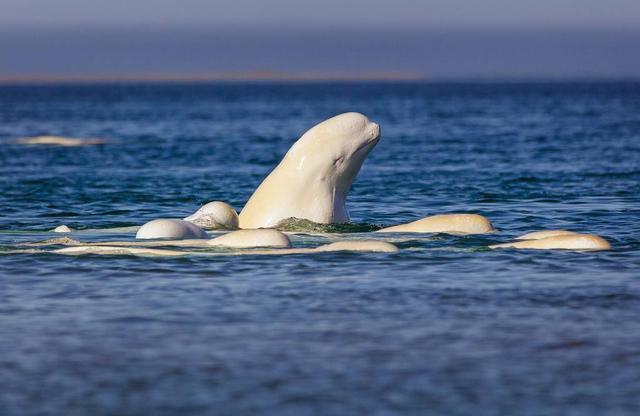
(251, 239)
(373, 246)
(59, 141)
(314, 177)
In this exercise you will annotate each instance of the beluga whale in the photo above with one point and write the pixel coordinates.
(215, 215)
(314, 178)
(557, 240)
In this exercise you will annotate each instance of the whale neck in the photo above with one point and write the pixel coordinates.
(325, 200)
(341, 215)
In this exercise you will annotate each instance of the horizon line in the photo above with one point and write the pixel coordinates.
(267, 76)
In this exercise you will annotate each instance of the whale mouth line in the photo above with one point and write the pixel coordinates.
(367, 145)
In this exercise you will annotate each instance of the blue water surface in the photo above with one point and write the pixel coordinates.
(445, 326)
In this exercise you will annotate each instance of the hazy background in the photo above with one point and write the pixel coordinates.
(436, 39)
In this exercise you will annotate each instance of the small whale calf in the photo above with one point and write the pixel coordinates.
(62, 229)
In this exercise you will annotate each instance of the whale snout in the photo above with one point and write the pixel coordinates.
(373, 130)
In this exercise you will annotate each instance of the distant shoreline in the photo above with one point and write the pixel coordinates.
(251, 76)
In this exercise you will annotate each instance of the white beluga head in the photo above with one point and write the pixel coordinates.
(215, 215)
(314, 177)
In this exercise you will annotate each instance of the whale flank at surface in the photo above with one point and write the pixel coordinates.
(567, 241)
(445, 223)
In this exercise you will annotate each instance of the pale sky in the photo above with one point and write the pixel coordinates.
(435, 38)
(392, 13)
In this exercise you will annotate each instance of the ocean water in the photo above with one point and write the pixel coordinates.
(445, 326)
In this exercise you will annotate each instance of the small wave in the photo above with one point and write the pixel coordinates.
(65, 241)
